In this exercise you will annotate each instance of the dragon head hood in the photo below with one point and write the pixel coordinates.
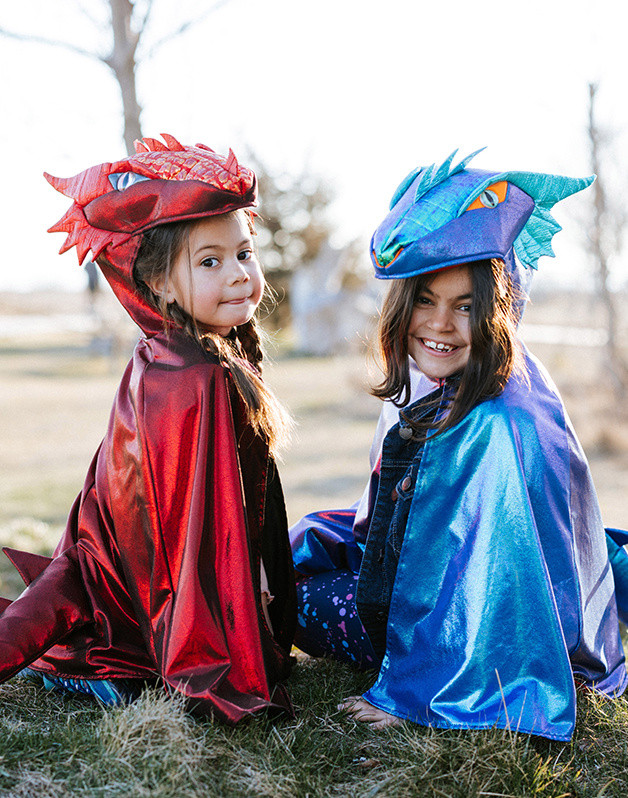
(115, 203)
(446, 215)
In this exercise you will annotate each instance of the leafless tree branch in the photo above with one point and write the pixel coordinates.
(184, 27)
(126, 32)
(143, 24)
(86, 12)
(601, 229)
(28, 37)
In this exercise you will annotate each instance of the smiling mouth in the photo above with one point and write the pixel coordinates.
(240, 301)
(438, 346)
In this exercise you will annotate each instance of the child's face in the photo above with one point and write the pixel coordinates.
(439, 335)
(217, 279)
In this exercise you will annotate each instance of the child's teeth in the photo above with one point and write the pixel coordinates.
(439, 347)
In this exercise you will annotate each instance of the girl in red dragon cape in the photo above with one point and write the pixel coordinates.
(175, 564)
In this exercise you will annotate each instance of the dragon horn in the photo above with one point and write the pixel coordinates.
(77, 188)
(62, 184)
(154, 145)
(172, 143)
(443, 171)
(232, 166)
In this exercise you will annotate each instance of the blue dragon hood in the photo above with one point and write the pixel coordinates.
(447, 215)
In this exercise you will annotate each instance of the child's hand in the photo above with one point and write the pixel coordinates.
(360, 709)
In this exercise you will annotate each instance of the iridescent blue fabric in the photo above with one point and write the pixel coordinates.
(504, 593)
(448, 215)
(616, 539)
(504, 596)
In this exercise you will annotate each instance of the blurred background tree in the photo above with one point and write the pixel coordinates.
(605, 232)
(294, 222)
(292, 227)
(125, 43)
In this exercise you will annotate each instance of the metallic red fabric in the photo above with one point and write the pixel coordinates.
(165, 541)
(161, 182)
(158, 572)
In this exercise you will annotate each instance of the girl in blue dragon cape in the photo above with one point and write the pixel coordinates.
(475, 575)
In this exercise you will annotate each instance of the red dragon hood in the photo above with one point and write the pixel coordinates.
(114, 203)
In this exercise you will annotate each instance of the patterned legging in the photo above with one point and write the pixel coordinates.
(328, 623)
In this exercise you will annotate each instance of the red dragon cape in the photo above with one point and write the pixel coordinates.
(158, 572)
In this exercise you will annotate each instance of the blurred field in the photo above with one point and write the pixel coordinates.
(57, 389)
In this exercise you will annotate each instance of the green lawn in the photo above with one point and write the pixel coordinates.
(55, 746)
(54, 403)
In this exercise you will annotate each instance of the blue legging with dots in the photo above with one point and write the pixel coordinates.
(328, 623)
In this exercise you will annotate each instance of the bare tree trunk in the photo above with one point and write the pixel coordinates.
(599, 249)
(122, 59)
(122, 62)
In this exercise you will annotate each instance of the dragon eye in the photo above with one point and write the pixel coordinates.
(122, 180)
(491, 196)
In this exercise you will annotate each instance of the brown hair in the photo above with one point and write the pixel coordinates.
(159, 249)
(494, 354)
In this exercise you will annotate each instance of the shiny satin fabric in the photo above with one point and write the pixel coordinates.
(166, 538)
(504, 595)
(616, 540)
(113, 204)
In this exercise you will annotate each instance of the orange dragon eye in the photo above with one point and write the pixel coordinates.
(491, 196)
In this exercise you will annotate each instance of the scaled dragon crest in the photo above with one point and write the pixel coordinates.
(162, 182)
(446, 215)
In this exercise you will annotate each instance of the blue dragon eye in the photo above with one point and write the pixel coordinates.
(489, 199)
(122, 180)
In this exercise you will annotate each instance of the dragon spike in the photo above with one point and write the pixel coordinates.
(204, 147)
(403, 187)
(443, 171)
(465, 161)
(425, 181)
(82, 248)
(85, 238)
(535, 240)
(81, 236)
(64, 185)
(172, 143)
(68, 221)
(82, 188)
(232, 166)
(154, 145)
(55, 182)
(140, 146)
(433, 175)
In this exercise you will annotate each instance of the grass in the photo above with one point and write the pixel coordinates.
(57, 746)
(54, 407)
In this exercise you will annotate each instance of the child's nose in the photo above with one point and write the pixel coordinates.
(441, 319)
(239, 272)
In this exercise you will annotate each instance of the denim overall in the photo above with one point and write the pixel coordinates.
(401, 459)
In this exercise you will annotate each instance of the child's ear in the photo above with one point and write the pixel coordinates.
(162, 288)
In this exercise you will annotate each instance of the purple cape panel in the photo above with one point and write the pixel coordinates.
(504, 597)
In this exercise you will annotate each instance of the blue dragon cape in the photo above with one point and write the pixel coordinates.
(505, 597)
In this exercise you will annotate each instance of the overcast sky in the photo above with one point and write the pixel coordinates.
(358, 91)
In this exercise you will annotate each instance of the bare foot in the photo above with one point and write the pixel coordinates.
(361, 710)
